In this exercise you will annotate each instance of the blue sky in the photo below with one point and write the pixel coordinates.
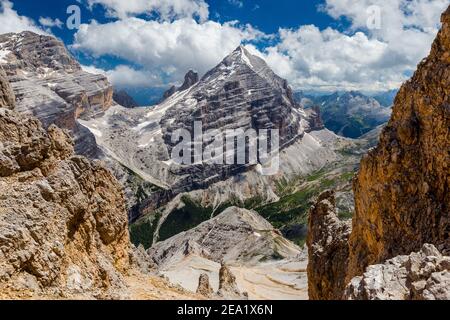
(326, 45)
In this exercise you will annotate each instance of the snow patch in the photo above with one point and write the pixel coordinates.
(3, 54)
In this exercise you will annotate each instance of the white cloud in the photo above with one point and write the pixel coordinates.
(360, 58)
(166, 9)
(124, 76)
(168, 49)
(50, 23)
(11, 21)
(407, 26)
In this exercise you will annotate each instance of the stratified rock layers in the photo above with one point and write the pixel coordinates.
(50, 85)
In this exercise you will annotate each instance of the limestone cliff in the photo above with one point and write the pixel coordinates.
(402, 196)
(402, 190)
(7, 98)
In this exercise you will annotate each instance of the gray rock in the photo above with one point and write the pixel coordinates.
(424, 275)
(122, 98)
(50, 85)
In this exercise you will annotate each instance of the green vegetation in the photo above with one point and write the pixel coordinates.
(188, 217)
(142, 231)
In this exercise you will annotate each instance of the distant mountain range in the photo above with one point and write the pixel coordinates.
(350, 114)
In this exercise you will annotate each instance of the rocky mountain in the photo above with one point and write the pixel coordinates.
(121, 96)
(262, 262)
(352, 114)
(190, 79)
(240, 93)
(402, 198)
(50, 85)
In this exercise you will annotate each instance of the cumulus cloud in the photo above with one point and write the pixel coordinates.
(165, 9)
(360, 58)
(165, 48)
(11, 21)
(125, 76)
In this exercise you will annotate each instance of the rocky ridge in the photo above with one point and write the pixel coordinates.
(328, 249)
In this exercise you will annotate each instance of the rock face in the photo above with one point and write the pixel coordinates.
(122, 98)
(402, 191)
(424, 275)
(402, 197)
(63, 226)
(190, 79)
(50, 85)
(242, 93)
(328, 250)
(63, 223)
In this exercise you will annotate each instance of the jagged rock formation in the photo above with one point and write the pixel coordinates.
(328, 249)
(50, 85)
(63, 226)
(424, 275)
(122, 98)
(190, 79)
(402, 192)
(228, 288)
(204, 288)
